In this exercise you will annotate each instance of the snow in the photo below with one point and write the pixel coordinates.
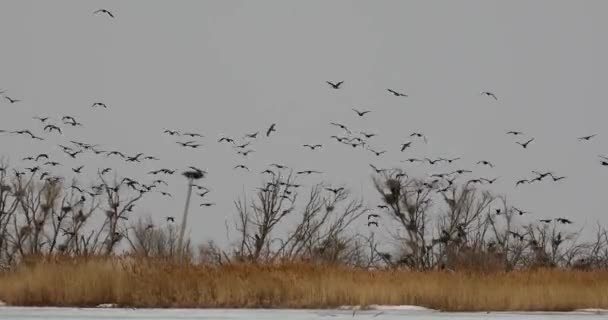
(381, 312)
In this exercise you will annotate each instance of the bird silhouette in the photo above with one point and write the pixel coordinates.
(308, 172)
(412, 160)
(335, 85)
(515, 133)
(171, 132)
(545, 220)
(73, 154)
(193, 135)
(558, 178)
(376, 169)
(245, 153)
(252, 135)
(134, 158)
(486, 163)
(563, 221)
(99, 104)
(207, 204)
(241, 166)
(405, 145)
(587, 138)
(489, 94)
(372, 223)
(222, 139)
(525, 144)
(396, 94)
(520, 212)
(343, 127)
(372, 215)
(312, 147)
(170, 219)
(419, 135)
(52, 163)
(361, 113)
(490, 181)
(106, 170)
(271, 129)
(50, 128)
(11, 100)
(166, 194)
(377, 153)
(41, 119)
(449, 160)
(78, 169)
(335, 190)
(278, 166)
(110, 14)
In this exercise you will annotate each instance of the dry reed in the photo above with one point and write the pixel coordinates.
(156, 283)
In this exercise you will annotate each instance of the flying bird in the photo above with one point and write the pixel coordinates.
(587, 138)
(489, 94)
(485, 163)
(312, 147)
(99, 104)
(515, 133)
(405, 145)
(335, 190)
(241, 166)
(104, 11)
(11, 100)
(335, 85)
(171, 132)
(361, 113)
(563, 221)
(271, 129)
(50, 128)
(396, 94)
(226, 139)
(308, 172)
(207, 204)
(372, 215)
(372, 223)
(78, 170)
(525, 144)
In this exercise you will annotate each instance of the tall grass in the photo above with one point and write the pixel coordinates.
(162, 283)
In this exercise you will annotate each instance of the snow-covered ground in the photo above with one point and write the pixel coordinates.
(381, 312)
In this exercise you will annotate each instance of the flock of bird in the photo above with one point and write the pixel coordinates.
(42, 163)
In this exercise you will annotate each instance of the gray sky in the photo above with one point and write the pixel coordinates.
(235, 67)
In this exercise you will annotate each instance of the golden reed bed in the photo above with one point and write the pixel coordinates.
(149, 283)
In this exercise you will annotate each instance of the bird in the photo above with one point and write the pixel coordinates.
(545, 220)
(41, 119)
(604, 162)
(489, 94)
(449, 160)
(78, 169)
(50, 128)
(170, 219)
(377, 153)
(515, 133)
(252, 135)
(563, 221)
(42, 155)
(11, 100)
(312, 147)
(207, 204)
(396, 94)
(486, 163)
(419, 135)
(166, 194)
(525, 144)
(73, 154)
(104, 11)
(372, 223)
(556, 178)
(490, 181)
(376, 169)
(361, 113)
(431, 162)
(520, 212)
(106, 170)
(271, 129)
(52, 163)
(372, 215)
(192, 135)
(308, 172)
(335, 85)
(226, 139)
(341, 126)
(150, 158)
(335, 190)
(587, 138)
(405, 145)
(241, 166)
(99, 104)
(171, 132)
(245, 153)
(134, 158)
(278, 166)
(412, 160)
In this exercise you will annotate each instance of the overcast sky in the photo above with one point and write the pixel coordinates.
(235, 67)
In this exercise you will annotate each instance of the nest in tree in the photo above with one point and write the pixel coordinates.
(394, 186)
(391, 198)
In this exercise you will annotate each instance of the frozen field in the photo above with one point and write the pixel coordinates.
(250, 314)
